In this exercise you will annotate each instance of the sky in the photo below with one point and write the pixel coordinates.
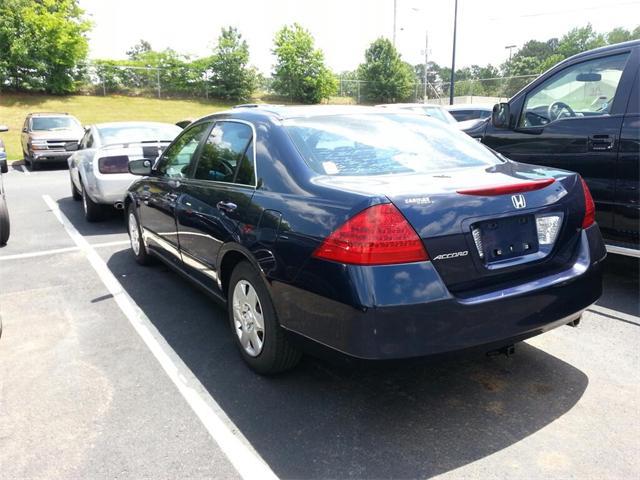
(343, 29)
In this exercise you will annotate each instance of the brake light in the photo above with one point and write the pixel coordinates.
(378, 235)
(506, 189)
(114, 164)
(589, 207)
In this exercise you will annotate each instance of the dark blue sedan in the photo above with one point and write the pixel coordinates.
(377, 234)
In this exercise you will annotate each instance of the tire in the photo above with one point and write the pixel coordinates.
(5, 226)
(138, 248)
(266, 349)
(75, 193)
(33, 164)
(93, 212)
(27, 159)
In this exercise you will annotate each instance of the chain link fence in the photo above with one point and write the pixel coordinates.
(188, 82)
(355, 91)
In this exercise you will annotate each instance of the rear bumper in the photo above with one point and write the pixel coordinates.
(412, 314)
(110, 188)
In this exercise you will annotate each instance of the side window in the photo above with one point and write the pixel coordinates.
(176, 159)
(586, 89)
(87, 141)
(227, 155)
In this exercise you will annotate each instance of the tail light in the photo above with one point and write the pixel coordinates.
(114, 164)
(511, 188)
(379, 235)
(589, 207)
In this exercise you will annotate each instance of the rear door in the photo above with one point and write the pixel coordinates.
(217, 198)
(572, 121)
(627, 216)
(160, 192)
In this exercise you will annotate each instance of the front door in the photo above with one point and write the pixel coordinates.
(160, 192)
(572, 121)
(217, 198)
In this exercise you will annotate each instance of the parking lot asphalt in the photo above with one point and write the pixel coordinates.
(131, 372)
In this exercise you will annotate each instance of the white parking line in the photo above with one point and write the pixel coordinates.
(44, 253)
(238, 450)
(25, 169)
(614, 313)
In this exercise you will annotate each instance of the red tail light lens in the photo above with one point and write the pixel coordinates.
(506, 189)
(378, 235)
(114, 164)
(590, 207)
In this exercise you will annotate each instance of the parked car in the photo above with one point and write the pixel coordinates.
(583, 115)
(435, 111)
(375, 233)
(469, 111)
(98, 167)
(44, 136)
(5, 225)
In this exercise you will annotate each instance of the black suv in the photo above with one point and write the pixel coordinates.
(582, 115)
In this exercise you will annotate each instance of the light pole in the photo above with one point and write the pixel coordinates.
(395, 15)
(453, 57)
(426, 64)
(510, 47)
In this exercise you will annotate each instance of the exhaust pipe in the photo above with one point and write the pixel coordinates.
(506, 351)
(119, 205)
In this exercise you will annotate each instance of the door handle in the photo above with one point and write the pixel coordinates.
(226, 206)
(601, 143)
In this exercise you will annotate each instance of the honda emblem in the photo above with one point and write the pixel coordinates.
(518, 201)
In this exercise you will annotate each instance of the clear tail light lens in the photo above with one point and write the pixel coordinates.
(590, 207)
(114, 164)
(379, 235)
(548, 227)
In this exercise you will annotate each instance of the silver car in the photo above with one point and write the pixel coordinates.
(431, 110)
(99, 166)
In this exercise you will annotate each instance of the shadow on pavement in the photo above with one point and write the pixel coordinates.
(621, 284)
(113, 222)
(323, 421)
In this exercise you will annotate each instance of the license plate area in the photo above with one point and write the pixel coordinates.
(510, 237)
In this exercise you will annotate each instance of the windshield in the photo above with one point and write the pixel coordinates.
(440, 114)
(379, 144)
(54, 123)
(138, 133)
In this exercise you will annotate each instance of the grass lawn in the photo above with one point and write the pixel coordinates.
(14, 108)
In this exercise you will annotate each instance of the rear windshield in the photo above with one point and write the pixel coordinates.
(381, 144)
(53, 123)
(138, 133)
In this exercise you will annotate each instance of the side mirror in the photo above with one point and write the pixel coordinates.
(71, 146)
(4, 128)
(25, 130)
(140, 167)
(4, 168)
(501, 115)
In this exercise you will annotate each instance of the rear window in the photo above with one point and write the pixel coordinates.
(138, 133)
(382, 144)
(53, 123)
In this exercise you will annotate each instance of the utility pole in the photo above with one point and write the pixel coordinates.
(510, 48)
(395, 15)
(453, 57)
(426, 64)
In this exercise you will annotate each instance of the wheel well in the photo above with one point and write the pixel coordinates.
(229, 262)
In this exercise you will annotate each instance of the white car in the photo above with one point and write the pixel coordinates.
(469, 111)
(99, 166)
(436, 111)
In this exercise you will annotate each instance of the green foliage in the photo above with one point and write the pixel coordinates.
(300, 72)
(138, 49)
(579, 40)
(231, 76)
(388, 78)
(41, 44)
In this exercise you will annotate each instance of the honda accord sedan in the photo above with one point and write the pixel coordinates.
(378, 234)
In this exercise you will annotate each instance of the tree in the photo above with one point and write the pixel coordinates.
(579, 40)
(231, 76)
(139, 49)
(300, 72)
(388, 78)
(41, 44)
